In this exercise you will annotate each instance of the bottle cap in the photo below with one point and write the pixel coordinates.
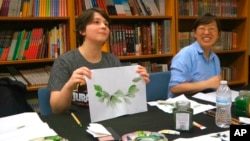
(223, 82)
(183, 104)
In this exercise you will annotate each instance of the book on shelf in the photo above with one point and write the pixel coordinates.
(35, 41)
(166, 36)
(43, 49)
(126, 7)
(103, 5)
(5, 8)
(94, 3)
(23, 45)
(24, 8)
(16, 74)
(88, 4)
(150, 7)
(159, 49)
(161, 6)
(134, 10)
(12, 11)
(37, 76)
(6, 37)
(183, 39)
(226, 8)
(119, 8)
(154, 36)
(155, 67)
(79, 6)
(142, 8)
(32, 76)
(19, 43)
(63, 8)
(234, 40)
(111, 7)
(12, 45)
(1, 2)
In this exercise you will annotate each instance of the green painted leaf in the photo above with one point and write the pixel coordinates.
(119, 93)
(131, 95)
(98, 94)
(127, 100)
(111, 102)
(116, 99)
(132, 89)
(105, 94)
(98, 88)
(136, 79)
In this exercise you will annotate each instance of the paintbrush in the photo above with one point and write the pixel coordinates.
(211, 113)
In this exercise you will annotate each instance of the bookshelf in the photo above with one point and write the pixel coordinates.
(136, 22)
(235, 58)
(234, 17)
(44, 15)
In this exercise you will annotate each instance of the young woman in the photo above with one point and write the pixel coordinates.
(66, 82)
(196, 67)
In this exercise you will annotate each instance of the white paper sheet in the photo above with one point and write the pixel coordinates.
(220, 136)
(97, 130)
(111, 94)
(169, 104)
(211, 97)
(24, 127)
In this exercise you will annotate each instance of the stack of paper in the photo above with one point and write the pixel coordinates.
(97, 130)
(24, 127)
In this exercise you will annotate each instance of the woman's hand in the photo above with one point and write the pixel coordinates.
(77, 76)
(143, 72)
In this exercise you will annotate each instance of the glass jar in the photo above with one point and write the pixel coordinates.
(183, 116)
(242, 104)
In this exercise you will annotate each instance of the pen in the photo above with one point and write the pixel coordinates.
(76, 119)
(198, 125)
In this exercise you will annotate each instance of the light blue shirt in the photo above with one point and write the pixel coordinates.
(190, 65)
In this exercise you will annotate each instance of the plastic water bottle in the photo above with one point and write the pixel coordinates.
(223, 105)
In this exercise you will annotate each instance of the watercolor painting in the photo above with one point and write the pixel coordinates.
(114, 92)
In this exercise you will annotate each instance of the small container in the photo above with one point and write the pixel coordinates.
(242, 104)
(183, 116)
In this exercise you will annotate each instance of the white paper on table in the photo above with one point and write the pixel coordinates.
(244, 120)
(169, 104)
(220, 136)
(97, 130)
(115, 97)
(24, 127)
(211, 97)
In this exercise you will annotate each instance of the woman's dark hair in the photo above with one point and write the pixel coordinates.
(84, 19)
(206, 19)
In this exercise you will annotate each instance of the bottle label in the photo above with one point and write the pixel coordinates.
(223, 101)
(182, 121)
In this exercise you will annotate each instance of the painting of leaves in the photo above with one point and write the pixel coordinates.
(118, 96)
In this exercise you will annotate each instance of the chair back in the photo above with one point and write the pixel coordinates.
(44, 101)
(157, 88)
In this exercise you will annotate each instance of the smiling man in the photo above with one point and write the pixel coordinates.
(196, 67)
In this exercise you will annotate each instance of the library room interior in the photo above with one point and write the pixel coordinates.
(50, 48)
